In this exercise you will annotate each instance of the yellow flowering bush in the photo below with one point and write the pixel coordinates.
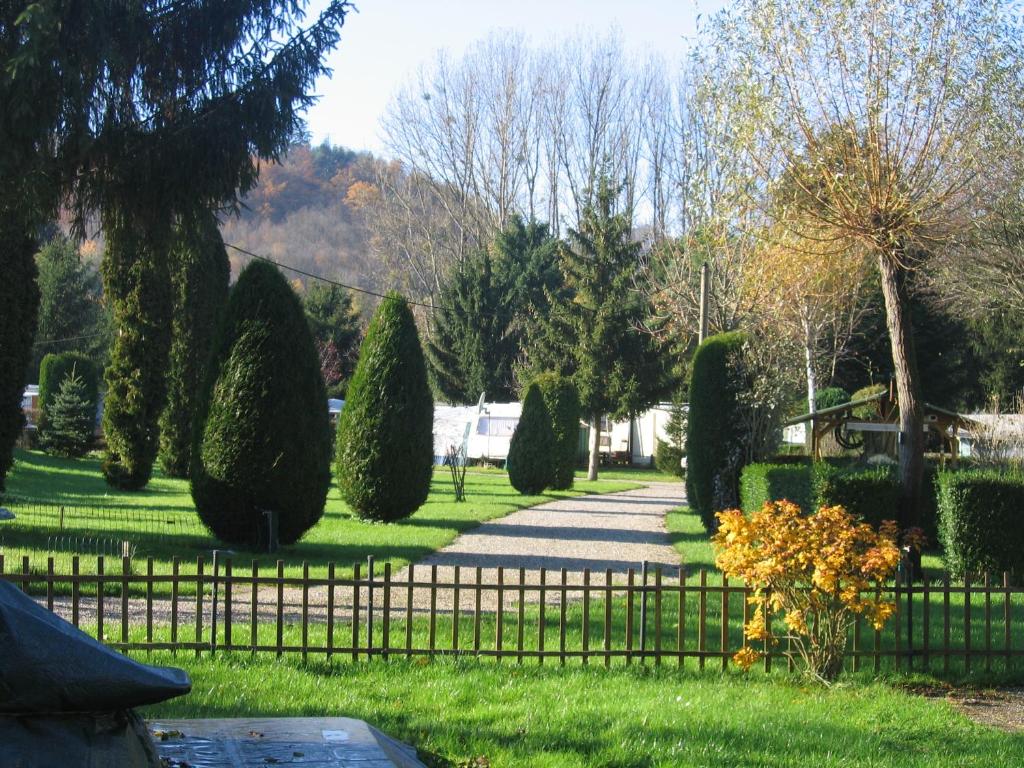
(816, 572)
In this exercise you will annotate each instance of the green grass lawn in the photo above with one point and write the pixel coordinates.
(470, 714)
(148, 517)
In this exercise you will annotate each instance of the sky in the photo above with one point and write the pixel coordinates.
(383, 44)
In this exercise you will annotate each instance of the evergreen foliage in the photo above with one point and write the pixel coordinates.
(385, 447)
(137, 284)
(19, 299)
(669, 453)
(590, 332)
(54, 369)
(477, 332)
(532, 454)
(71, 419)
(70, 305)
(336, 330)
(200, 272)
(262, 439)
(830, 397)
(563, 404)
(713, 432)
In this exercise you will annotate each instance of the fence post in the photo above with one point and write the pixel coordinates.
(213, 602)
(906, 575)
(643, 610)
(369, 607)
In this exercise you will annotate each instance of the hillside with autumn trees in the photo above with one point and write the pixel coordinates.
(308, 211)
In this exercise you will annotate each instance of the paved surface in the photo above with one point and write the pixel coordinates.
(313, 742)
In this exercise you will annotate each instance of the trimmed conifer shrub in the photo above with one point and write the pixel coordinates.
(54, 369)
(200, 272)
(71, 419)
(262, 440)
(714, 432)
(385, 449)
(19, 306)
(563, 404)
(532, 453)
(137, 285)
(669, 453)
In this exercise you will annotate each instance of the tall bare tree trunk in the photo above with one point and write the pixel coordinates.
(595, 447)
(810, 344)
(904, 360)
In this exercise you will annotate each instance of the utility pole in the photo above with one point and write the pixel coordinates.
(705, 287)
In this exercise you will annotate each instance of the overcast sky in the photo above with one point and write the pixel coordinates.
(387, 40)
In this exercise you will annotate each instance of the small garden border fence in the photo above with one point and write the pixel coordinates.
(649, 618)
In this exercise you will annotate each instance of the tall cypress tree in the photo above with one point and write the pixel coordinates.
(200, 272)
(532, 452)
(137, 284)
(19, 297)
(385, 448)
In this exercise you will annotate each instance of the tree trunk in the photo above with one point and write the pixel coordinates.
(595, 447)
(904, 360)
(812, 379)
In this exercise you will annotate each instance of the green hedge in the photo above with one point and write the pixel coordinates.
(713, 431)
(531, 453)
(979, 522)
(563, 404)
(871, 493)
(773, 482)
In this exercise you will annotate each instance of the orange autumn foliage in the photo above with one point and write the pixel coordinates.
(817, 572)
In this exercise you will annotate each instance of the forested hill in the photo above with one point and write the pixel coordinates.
(302, 214)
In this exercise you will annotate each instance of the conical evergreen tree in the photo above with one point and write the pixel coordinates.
(200, 272)
(71, 419)
(532, 452)
(262, 439)
(385, 432)
(563, 404)
(137, 283)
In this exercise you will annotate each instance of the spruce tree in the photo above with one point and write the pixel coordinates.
(71, 419)
(563, 404)
(53, 370)
(668, 454)
(137, 284)
(200, 272)
(262, 439)
(590, 330)
(532, 453)
(385, 446)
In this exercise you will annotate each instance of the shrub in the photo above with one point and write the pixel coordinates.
(668, 458)
(979, 521)
(200, 273)
(762, 483)
(830, 397)
(385, 449)
(714, 428)
(563, 404)
(262, 439)
(815, 571)
(868, 493)
(532, 452)
(71, 419)
(668, 454)
(54, 368)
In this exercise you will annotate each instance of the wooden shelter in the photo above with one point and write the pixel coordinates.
(878, 414)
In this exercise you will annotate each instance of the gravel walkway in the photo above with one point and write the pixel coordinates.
(600, 533)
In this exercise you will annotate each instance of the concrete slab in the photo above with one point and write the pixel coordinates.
(310, 742)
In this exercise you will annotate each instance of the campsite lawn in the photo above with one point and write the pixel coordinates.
(151, 517)
(466, 713)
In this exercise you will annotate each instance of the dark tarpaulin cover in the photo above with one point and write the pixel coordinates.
(90, 740)
(48, 666)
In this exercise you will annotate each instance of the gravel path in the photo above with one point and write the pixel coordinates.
(600, 533)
